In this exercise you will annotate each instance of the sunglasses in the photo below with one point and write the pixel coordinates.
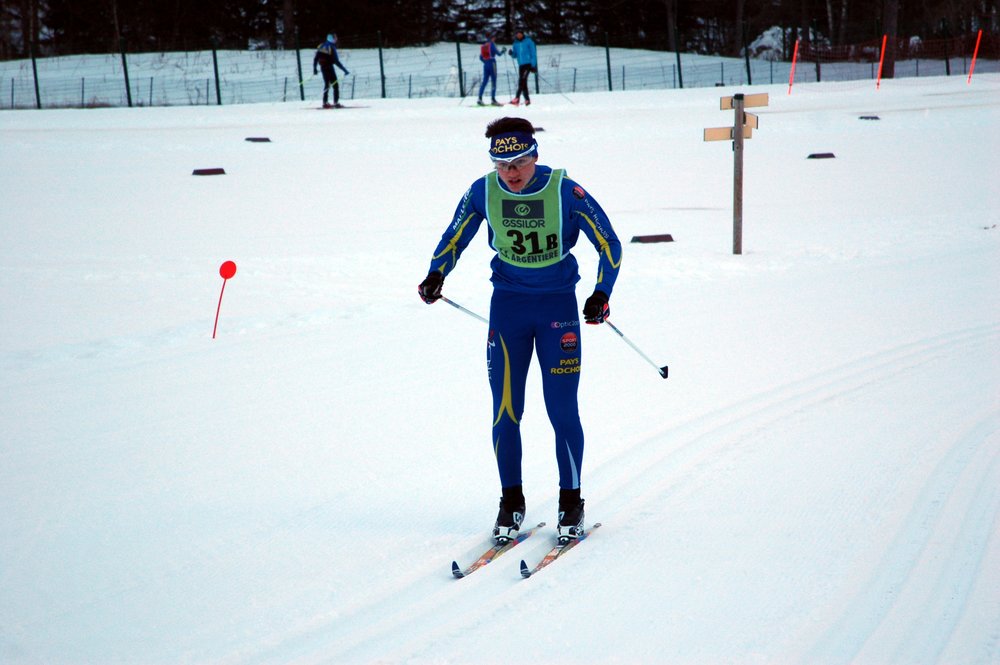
(512, 164)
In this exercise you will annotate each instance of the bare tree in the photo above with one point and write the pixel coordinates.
(118, 30)
(836, 24)
(671, 24)
(288, 24)
(738, 32)
(30, 22)
(890, 23)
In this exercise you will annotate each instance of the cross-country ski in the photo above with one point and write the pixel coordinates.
(492, 553)
(555, 553)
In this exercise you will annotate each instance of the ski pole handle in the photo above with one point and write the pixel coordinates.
(662, 370)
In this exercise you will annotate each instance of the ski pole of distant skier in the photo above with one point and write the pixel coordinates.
(661, 370)
(555, 88)
(467, 311)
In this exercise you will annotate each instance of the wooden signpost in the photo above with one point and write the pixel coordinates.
(743, 125)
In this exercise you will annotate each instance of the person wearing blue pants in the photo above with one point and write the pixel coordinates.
(534, 216)
(488, 56)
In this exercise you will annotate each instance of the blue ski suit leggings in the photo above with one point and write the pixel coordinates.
(549, 325)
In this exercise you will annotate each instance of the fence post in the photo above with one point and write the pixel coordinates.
(677, 52)
(947, 47)
(381, 63)
(746, 53)
(128, 86)
(607, 56)
(34, 70)
(298, 59)
(738, 175)
(461, 76)
(215, 66)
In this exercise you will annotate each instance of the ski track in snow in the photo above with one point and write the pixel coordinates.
(957, 507)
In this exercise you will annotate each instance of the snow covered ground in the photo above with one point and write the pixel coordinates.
(818, 481)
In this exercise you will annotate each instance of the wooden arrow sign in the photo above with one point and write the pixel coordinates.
(749, 101)
(725, 133)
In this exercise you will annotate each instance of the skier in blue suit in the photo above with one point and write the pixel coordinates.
(534, 216)
(488, 53)
(325, 58)
(524, 53)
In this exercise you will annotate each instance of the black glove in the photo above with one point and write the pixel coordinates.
(430, 288)
(315, 71)
(596, 309)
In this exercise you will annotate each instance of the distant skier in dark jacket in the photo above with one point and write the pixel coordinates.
(325, 59)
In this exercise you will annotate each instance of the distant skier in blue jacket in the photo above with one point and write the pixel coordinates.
(534, 216)
(325, 59)
(488, 53)
(524, 53)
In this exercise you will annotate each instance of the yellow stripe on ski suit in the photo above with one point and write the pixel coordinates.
(506, 402)
(604, 247)
(452, 245)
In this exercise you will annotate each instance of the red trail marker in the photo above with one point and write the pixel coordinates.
(226, 270)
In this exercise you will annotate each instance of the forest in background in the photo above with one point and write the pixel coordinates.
(719, 27)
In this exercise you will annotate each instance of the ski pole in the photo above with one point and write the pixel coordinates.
(467, 311)
(546, 82)
(661, 370)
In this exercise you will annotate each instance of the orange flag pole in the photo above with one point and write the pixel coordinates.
(881, 59)
(974, 54)
(795, 57)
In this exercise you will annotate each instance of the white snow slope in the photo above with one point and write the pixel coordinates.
(818, 481)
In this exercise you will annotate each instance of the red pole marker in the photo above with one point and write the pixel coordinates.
(975, 54)
(227, 270)
(881, 60)
(795, 57)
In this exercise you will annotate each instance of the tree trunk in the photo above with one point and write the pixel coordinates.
(118, 30)
(890, 21)
(804, 37)
(738, 32)
(842, 32)
(671, 6)
(288, 24)
(29, 24)
(830, 28)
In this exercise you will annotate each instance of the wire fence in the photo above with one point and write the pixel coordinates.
(441, 70)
